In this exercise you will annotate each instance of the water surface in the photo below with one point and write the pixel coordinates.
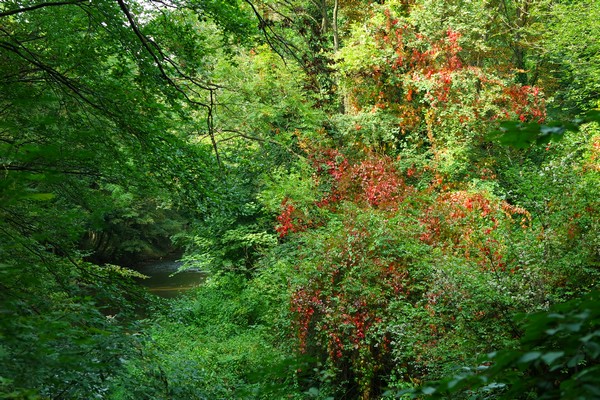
(164, 280)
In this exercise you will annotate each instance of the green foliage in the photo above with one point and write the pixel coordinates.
(214, 344)
(260, 116)
(522, 135)
(91, 170)
(556, 184)
(233, 17)
(574, 59)
(63, 324)
(503, 34)
(346, 183)
(557, 357)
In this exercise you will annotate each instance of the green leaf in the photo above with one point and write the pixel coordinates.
(521, 135)
(593, 349)
(589, 337)
(576, 327)
(575, 360)
(552, 356)
(529, 357)
(428, 390)
(592, 116)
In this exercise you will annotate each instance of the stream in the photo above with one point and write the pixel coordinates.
(162, 283)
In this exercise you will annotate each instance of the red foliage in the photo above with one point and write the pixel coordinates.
(289, 220)
(424, 73)
(379, 181)
(350, 287)
(374, 180)
(303, 304)
(329, 311)
(466, 221)
(526, 103)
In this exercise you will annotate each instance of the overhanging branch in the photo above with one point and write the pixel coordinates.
(38, 6)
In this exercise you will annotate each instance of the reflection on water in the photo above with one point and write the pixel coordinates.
(160, 281)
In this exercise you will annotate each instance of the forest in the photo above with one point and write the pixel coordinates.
(391, 199)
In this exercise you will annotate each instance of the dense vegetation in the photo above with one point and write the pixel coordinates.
(394, 199)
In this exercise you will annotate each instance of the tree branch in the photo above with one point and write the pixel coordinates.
(259, 139)
(263, 26)
(151, 46)
(38, 6)
(211, 128)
